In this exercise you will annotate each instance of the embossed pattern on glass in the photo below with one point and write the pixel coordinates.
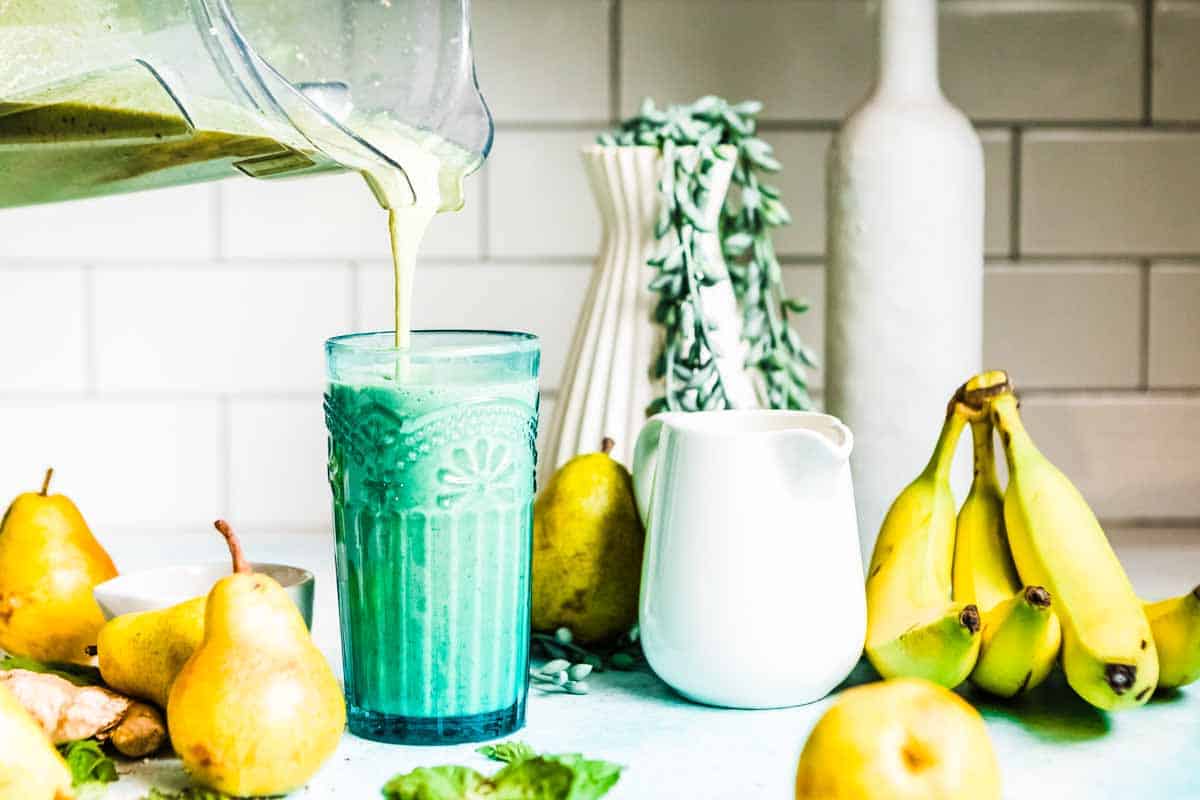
(431, 469)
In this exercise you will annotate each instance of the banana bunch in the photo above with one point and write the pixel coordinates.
(1022, 579)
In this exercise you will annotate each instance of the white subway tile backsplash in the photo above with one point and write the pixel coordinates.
(539, 201)
(127, 465)
(1132, 456)
(164, 225)
(1064, 327)
(1176, 77)
(217, 328)
(543, 299)
(1110, 192)
(277, 457)
(1049, 60)
(1175, 325)
(43, 336)
(804, 60)
(563, 77)
(332, 217)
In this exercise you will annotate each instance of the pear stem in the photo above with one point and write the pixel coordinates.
(240, 564)
(46, 481)
(606, 445)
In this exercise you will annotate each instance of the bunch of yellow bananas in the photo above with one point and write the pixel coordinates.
(1020, 577)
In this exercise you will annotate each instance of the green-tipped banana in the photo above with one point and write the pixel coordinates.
(1176, 626)
(1021, 639)
(1108, 649)
(943, 651)
(912, 628)
(984, 573)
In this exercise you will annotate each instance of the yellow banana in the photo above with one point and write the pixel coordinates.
(1021, 635)
(984, 573)
(1021, 639)
(943, 651)
(913, 629)
(1108, 648)
(1176, 626)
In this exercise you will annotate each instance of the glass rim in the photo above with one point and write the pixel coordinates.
(481, 342)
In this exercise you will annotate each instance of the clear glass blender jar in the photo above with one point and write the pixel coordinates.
(105, 96)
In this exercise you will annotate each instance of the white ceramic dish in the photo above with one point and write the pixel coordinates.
(152, 589)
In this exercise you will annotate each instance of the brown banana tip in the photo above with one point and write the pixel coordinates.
(969, 617)
(46, 481)
(1196, 592)
(91, 650)
(1120, 677)
(1037, 597)
(240, 564)
(607, 444)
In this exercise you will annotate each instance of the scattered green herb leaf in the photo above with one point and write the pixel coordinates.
(76, 674)
(88, 762)
(508, 752)
(527, 776)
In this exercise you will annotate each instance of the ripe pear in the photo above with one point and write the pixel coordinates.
(30, 766)
(141, 653)
(256, 710)
(49, 562)
(587, 549)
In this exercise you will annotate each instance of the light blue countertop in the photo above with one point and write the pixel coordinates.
(1050, 745)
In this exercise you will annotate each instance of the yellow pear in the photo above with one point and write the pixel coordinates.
(901, 739)
(587, 549)
(256, 710)
(141, 653)
(49, 562)
(30, 766)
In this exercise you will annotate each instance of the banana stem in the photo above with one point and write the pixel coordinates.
(240, 564)
(943, 451)
(46, 481)
(985, 450)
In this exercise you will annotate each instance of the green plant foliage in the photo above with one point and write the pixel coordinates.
(692, 139)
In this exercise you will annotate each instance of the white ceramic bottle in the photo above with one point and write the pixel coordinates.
(905, 264)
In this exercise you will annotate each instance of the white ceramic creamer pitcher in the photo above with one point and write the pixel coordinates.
(752, 585)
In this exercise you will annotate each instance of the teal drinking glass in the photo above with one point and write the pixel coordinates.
(431, 463)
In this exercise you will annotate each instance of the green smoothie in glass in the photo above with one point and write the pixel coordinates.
(431, 463)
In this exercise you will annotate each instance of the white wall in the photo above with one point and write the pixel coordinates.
(163, 351)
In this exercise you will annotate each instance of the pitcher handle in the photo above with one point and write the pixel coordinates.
(645, 459)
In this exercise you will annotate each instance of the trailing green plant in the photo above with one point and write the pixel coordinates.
(692, 139)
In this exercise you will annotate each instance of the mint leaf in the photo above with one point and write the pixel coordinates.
(438, 783)
(508, 752)
(527, 777)
(535, 779)
(88, 763)
(76, 674)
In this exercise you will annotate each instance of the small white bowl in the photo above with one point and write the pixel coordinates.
(162, 587)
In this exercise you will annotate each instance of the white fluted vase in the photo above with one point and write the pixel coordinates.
(606, 383)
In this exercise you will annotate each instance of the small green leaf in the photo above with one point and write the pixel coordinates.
(88, 762)
(508, 752)
(76, 674)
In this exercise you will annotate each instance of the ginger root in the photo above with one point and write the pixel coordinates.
(68, 712)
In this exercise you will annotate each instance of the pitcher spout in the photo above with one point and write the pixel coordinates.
(819, 438)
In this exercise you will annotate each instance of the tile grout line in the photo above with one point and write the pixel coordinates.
(1144, 331)
(614, 63)
(1014, 199)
